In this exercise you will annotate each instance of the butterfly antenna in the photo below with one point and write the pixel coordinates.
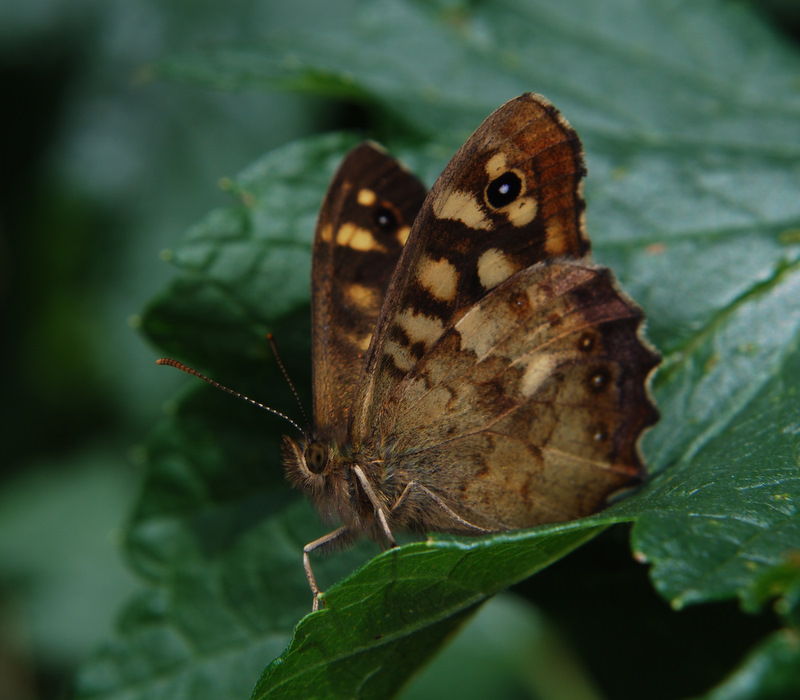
(217, 385)
(274, 346)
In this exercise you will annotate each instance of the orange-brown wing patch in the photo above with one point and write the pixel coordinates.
(364, 221)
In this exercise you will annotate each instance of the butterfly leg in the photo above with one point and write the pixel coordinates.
(324, 541)
(380, 510)
(439, 502)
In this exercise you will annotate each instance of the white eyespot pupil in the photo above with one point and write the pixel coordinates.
(385, 219)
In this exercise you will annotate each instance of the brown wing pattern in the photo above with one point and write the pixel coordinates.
(529, 409)
(510, 197)
(499, 381)
(363, 224)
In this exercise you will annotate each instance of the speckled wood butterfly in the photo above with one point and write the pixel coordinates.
(473, 372)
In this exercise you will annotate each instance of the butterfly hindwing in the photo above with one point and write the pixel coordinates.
(363, 224)
(529, 408)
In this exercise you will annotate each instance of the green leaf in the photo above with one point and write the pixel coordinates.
(507, 650)
(768, 673)
(689, 115)
(402, 604)
(782, 584)
(726, 513)
(221, 546)
(245, 268)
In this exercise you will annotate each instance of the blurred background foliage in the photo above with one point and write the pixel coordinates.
(101, 169)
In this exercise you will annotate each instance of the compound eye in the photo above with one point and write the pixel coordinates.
(316, 457)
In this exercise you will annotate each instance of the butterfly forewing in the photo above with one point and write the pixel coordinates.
(509, 198)
(363, 224)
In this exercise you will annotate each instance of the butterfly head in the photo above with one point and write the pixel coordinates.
(321, 470)
(308, 463)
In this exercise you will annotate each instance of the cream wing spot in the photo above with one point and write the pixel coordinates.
(494, 267)
(366, 197)
(557, 235)
(439, 277)
(360, 341)
(399, 355)
(326, 232)
(419, 327)
(496, 165)
(357, 238)
(361, 296)
(461, 206)
(522, 212)
(402, 234)
(479, 330)
(538, 368)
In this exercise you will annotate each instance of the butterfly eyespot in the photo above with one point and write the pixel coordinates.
(503, 190)
(385, 219)
(599, 436)
(316, 457)
(586, 342)
(599, 380)
(520, 304)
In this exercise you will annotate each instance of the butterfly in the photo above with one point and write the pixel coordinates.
(473, 371)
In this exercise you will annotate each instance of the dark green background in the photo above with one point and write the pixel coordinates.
(108, 156)
(100, 171)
